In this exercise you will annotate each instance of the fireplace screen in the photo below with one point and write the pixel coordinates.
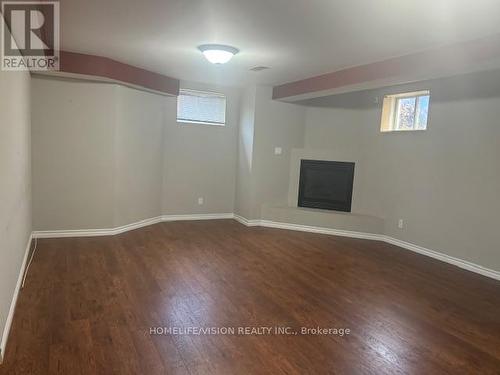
(326, 184)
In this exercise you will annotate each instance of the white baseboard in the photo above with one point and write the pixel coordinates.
(198, 217)
(247, 222)
(273, 224)
(95, 232)
(10, 316)
(376, 237)
(444, 258)
(128, 227)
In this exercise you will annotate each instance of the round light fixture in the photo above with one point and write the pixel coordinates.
(218, 53)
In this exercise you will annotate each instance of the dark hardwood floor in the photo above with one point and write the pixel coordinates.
(89, 303)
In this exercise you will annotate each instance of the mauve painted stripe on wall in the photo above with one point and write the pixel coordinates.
(79, 63)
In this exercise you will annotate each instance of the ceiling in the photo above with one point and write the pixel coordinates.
(295, 38)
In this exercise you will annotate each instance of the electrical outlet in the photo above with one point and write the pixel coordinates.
(278, 151)
(200, 201)
(401, 224)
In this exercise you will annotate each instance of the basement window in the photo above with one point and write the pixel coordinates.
(201, 107)
(405, 112)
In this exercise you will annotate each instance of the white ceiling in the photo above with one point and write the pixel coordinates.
(296, 38)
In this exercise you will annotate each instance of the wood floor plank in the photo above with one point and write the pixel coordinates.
(89, 304)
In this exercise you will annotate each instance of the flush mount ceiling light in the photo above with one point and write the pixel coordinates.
(218, 53)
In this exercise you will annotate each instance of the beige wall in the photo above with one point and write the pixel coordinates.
(443, 182)
(15, 185)
(200, 160)
(263, 177)
(245, 181)
(277, 125)
(106, 155)
(138, 145)
(73, 154)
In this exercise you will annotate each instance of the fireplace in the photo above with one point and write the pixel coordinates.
(326, 184)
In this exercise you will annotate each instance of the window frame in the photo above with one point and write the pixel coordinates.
(207, 93)
(391, 111)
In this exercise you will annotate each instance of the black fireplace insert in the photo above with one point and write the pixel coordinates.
(326, 184)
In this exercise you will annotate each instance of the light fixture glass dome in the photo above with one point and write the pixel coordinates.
(218, 53)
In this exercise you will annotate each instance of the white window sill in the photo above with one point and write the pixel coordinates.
(199, 123)
(403, 131)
